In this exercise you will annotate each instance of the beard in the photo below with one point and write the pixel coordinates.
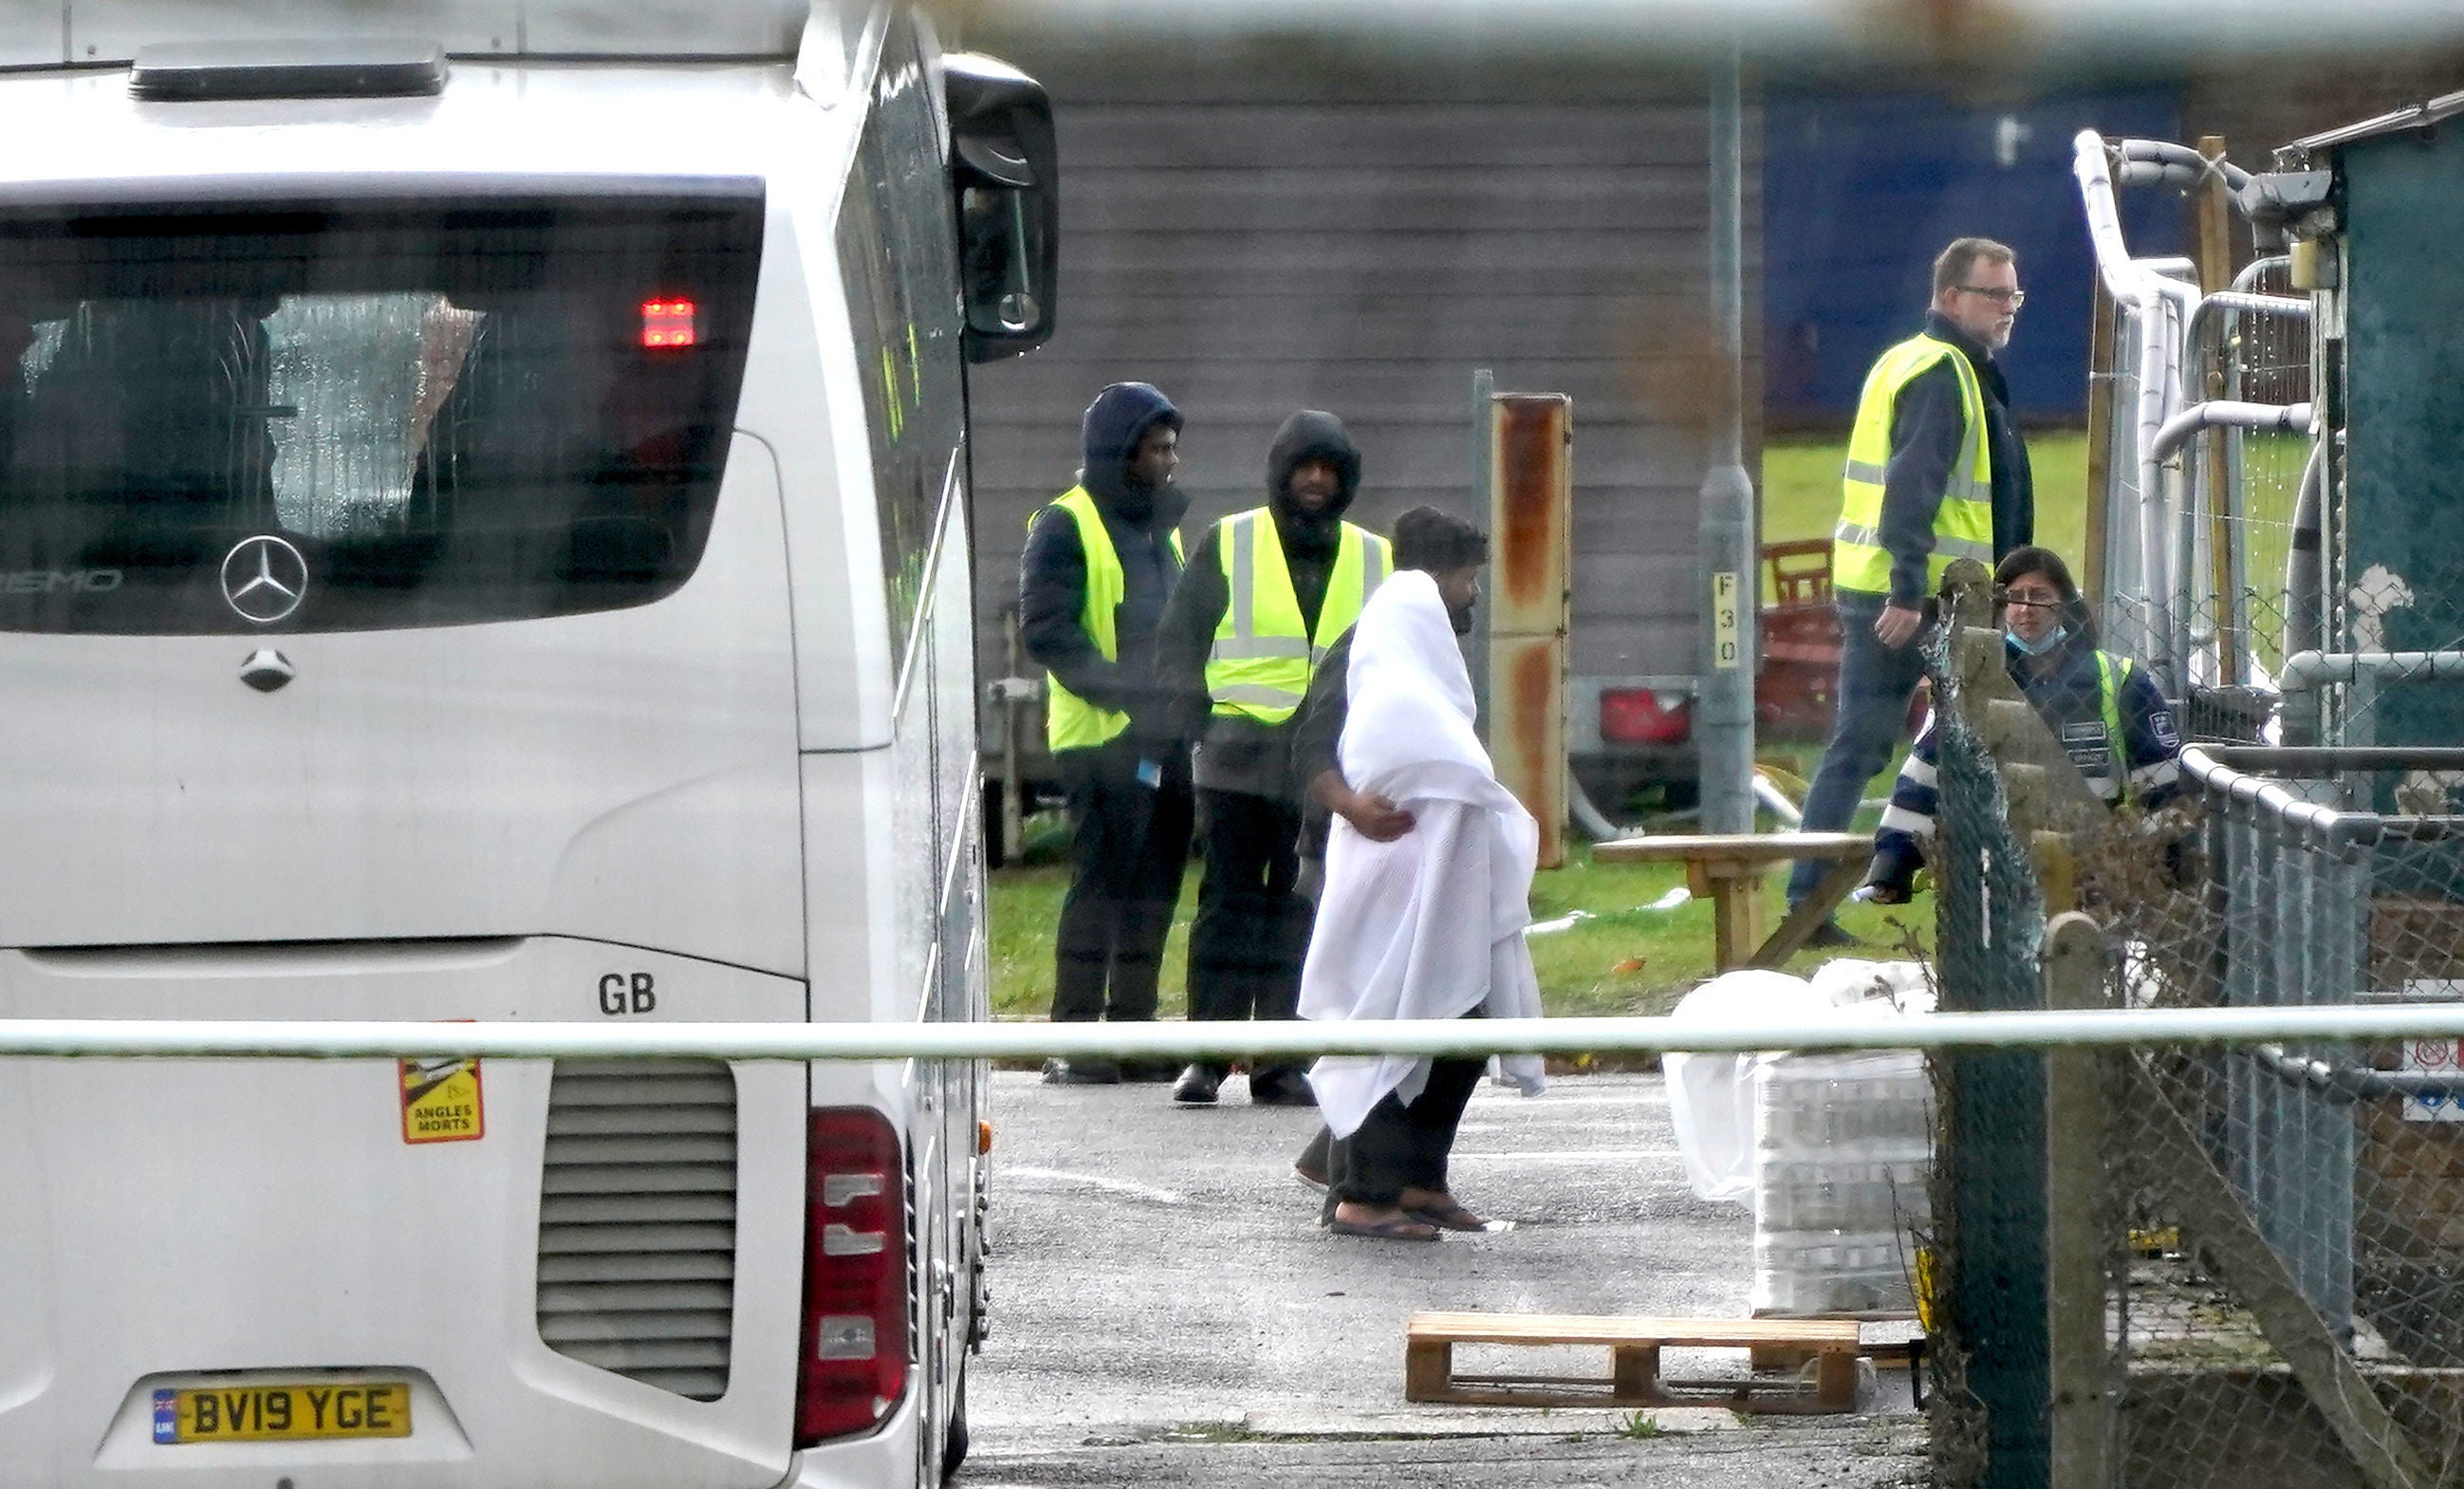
(1460, 617)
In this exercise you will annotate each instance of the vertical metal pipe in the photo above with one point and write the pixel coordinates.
(2339, 964)
(2302, 594)
(1723, 710)
(1483, 500)
(2231, 474)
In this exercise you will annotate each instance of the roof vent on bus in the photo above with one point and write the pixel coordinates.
(637, 1221)
(199, 71)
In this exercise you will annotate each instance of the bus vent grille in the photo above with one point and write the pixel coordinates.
(637, 1220)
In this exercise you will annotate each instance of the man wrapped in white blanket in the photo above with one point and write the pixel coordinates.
(1427, 926)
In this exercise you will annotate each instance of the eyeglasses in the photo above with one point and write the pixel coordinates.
(2013, 299)
(2032, 602)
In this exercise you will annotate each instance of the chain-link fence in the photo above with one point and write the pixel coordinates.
(2188, 1266)
(2285, 1266)
(2208, 559)
(1988, 1282)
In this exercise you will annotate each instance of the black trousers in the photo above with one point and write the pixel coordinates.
(1252, 928)
(1405, 1147)
(1129, 844)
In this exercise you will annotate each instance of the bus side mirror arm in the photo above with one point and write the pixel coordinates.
(1005, 178)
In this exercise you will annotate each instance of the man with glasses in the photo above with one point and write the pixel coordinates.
(1936, 471)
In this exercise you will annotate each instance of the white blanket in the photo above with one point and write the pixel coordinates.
(1429, 926)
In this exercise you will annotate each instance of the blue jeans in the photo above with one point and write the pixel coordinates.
(1876, 682)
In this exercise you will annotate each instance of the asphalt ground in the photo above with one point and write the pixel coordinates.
(1167, 1311)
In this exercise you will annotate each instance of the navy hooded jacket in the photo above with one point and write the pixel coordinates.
(2068, 694)
(1052, 571)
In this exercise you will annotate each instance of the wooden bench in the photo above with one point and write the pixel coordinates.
(1634, 1346)
(1729, 871)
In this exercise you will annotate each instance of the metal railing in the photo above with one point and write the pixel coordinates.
(316, 1039)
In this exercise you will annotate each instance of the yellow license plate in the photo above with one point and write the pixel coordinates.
(283, 1414)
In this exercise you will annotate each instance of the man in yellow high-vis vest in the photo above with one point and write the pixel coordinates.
(1266, 592)
(1936, 471)
(1100, 562)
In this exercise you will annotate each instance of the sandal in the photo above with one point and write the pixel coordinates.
(1449, 1216)
(1401, 1227)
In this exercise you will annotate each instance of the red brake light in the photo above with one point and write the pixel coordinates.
(852, 1363)
(667, 322)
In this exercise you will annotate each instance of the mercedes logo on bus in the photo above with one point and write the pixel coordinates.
(264, 578)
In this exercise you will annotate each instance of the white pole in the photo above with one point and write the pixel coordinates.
(208, 1038)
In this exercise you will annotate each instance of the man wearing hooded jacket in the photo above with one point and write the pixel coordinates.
(1100, 560)
(1265, 594)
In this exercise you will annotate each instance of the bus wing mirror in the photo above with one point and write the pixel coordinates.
(1006, 174)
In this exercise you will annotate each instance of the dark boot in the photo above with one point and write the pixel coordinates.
(1085, 1070)
(1198, 1084)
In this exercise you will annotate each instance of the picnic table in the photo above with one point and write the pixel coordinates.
(1727, 869)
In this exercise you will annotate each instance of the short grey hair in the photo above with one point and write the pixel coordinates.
(1955, 263)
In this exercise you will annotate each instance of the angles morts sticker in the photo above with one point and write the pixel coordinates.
(440, 1101)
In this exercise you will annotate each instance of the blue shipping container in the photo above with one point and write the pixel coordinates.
(1860, 192)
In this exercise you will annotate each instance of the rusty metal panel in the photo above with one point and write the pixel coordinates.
(1527, 739)
(1531, 454)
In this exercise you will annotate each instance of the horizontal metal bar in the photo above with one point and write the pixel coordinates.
(2270, 798)
(2222, 412)
(2331, 760)
(2257, 269)
(228, 1038)
(2321, 826)
(2306, 670)
(2346, 1084)
(2175, 157)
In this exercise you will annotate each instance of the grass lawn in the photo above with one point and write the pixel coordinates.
(1625, 957)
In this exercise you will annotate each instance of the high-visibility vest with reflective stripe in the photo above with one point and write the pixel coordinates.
(1071, 722)
(2111, 673)
(1263, 654)
(1963, 527)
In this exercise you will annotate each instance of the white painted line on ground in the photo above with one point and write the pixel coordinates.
(1587, 1155)
(1653, 1094)
(1095, 1181)
(1608, 1125)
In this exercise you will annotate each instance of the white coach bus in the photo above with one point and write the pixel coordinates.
(483, 535)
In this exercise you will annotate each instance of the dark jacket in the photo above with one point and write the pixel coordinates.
(1317, 737)
(1927, 426)
(1241, 754)
(2068, 695)
(1052, 571)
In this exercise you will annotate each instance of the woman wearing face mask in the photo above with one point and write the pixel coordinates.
(2110, 718)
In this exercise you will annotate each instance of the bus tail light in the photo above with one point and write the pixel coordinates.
(853, 1337)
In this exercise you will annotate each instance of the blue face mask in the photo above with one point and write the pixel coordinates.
(2053, 639)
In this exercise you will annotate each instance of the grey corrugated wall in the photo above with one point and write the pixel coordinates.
(1256, 239)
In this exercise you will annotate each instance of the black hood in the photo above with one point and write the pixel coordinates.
(1118, 418)
(1310, 433)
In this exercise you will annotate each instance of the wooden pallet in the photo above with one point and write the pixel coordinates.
(1882, 1334)
(1634, 1346)
(1885, 1336)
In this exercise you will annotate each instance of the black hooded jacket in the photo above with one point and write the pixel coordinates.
(1052, 571)
(1242, 754)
